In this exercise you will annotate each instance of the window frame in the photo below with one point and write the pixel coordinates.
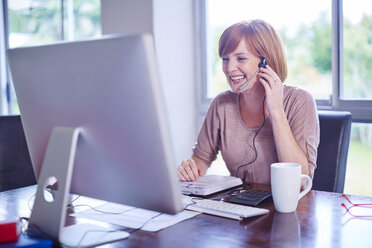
(4, 71)
(6, 86)
(361, 110)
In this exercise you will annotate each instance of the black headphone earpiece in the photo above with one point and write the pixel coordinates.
(263, 63)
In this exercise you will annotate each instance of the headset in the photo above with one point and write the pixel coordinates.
(263, 63)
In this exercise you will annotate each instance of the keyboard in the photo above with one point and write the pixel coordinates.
(225, 209)
(251, 197)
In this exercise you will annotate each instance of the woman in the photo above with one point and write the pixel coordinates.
(261, 120)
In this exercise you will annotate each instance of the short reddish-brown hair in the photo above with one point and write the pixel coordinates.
(261, 40)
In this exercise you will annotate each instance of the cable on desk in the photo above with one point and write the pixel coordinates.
(37, 232)
(193, 202)
(29, 200)
(28, 227)
(152, 218)
(100, 211)
(33, 196)
(89, 231)
(70, 204)
(144, 223)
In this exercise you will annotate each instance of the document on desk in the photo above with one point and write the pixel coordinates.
(135, 218)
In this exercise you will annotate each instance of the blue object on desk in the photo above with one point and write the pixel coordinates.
(25, 241)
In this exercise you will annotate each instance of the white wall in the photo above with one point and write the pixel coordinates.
(171, 23)
(123, 16)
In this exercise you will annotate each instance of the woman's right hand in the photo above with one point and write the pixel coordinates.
(188, 170)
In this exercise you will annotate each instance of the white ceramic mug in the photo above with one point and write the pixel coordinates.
(286, 186)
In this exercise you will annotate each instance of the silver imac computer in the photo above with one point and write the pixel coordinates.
(95, 123)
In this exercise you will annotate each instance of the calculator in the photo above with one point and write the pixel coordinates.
(251, 197)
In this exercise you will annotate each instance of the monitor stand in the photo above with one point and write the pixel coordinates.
(49, 213)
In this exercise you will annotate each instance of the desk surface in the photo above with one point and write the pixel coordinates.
(319, 221)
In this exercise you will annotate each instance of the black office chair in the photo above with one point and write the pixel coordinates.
(335, 127)
(15, 164)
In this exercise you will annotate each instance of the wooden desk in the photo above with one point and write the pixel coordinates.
(318, 222)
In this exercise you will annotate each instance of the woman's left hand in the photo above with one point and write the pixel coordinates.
(273, 88)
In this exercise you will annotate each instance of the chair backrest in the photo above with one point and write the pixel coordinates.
(15, 164)
(335, 127)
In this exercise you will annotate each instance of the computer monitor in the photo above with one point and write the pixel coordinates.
(109, 89)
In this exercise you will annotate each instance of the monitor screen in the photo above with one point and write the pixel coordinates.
(108, 87)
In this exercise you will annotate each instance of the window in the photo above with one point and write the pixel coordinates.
(309, 64)
(356, 87)
(329, 52)
(357, 40)
(37, 22)
(359, 167)
(34, 24)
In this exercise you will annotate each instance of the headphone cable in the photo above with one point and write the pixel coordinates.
(254, 138)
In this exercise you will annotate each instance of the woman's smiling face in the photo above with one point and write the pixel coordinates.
(239, 66)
